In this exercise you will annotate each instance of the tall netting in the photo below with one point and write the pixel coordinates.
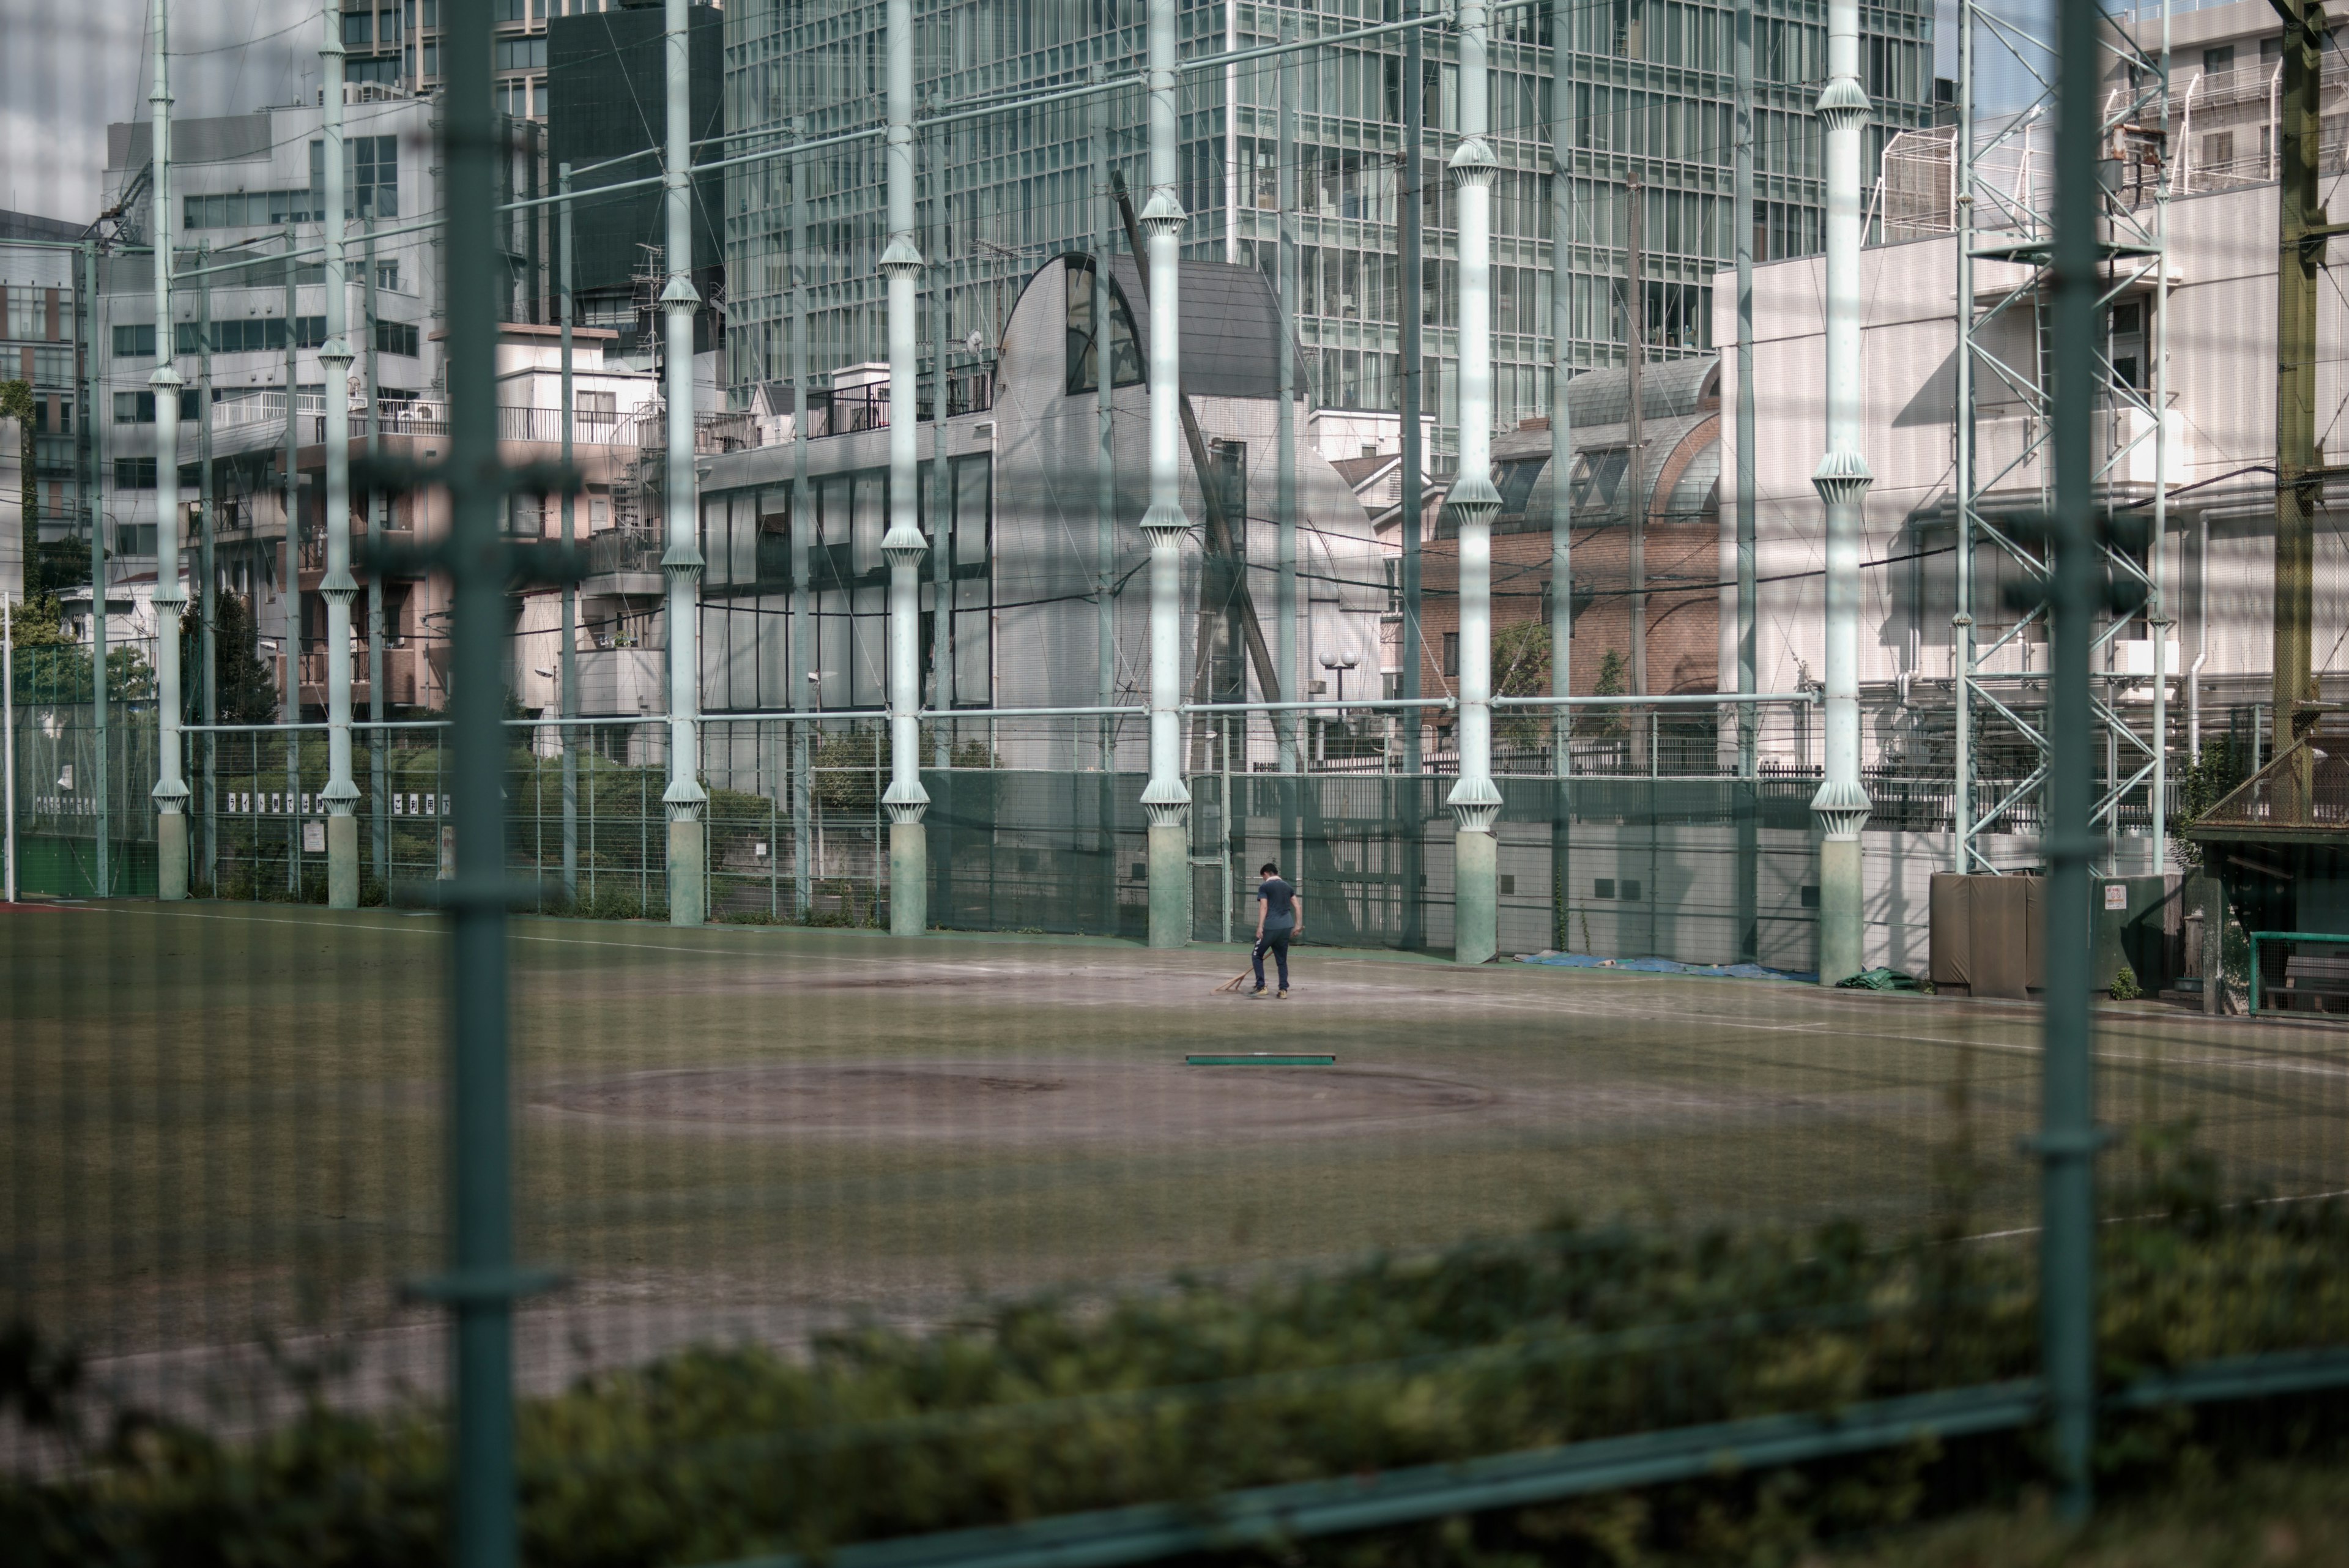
(1039, 850)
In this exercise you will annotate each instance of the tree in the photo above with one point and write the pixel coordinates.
(2210, 779)
(1606, 722)
(244, 690)
(53, 668)
(1521, 669)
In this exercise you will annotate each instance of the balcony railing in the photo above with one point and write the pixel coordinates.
(642, 429)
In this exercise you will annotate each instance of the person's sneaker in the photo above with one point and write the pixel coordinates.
(1282, 994)
(1259, 991)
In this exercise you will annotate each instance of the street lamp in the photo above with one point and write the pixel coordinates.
(1337, 663)
(1341, 662)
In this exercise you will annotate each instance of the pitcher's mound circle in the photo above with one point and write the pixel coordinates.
(998, 1102)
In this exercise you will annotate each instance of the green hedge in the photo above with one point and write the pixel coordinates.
(1052, 1405)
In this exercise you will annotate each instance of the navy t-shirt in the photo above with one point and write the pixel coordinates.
(1279, 901)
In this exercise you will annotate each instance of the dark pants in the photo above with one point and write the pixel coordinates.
(1277, 941)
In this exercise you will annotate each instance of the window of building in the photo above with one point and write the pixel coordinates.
(2126, 345)
(250, 210)
(387, 276)
(1125, 355)
(395, 338)
(521, 54)
(600, 406)
(2217, 61)
(134, 341)
(370, 177)
(29, 311)
(134, 473)
(134, 408)
(359, 28)
(2218, 149)
(1452, 654)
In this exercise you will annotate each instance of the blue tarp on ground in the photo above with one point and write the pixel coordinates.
(1669, 966)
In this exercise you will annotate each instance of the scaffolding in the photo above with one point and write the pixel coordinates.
(2006, 221)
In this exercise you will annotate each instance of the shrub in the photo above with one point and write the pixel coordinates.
(1052, 1405)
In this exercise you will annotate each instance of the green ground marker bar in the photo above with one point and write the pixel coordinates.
(1263, 1059)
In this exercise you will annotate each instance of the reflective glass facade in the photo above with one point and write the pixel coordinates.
(1648, 103)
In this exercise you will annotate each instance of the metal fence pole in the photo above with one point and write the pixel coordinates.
(1748, 934)
(481, 1286)
(1409, 213)
(8, 735)
(566, 660)
(2068, 1138)
(97, 656)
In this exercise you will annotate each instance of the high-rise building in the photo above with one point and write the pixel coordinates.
(1648, 103)
(397, 43)
(43, 341)
(607, 116)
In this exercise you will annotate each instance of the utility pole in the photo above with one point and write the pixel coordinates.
(170, 792)
(566, 655)
(905, 800)
(1474, 800)
(2305, 229)
(1741, 223)
(1561, 471)
(1410, 505)
(1842, 480)
(1165, 800)
(681, 562)
(342, 796)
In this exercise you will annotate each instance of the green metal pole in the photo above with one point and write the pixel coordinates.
(1104, 514)
(1284, 202)
(2068, 1133)
(1740, 234)
(566, 655)
(1412, 792)
(482, 1286)
(289, 551)
(804, 806)
(99, 867)
(379, 512)
(1561, 466)
(207, 589)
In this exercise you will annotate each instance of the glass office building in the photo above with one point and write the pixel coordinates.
(1649, 108)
